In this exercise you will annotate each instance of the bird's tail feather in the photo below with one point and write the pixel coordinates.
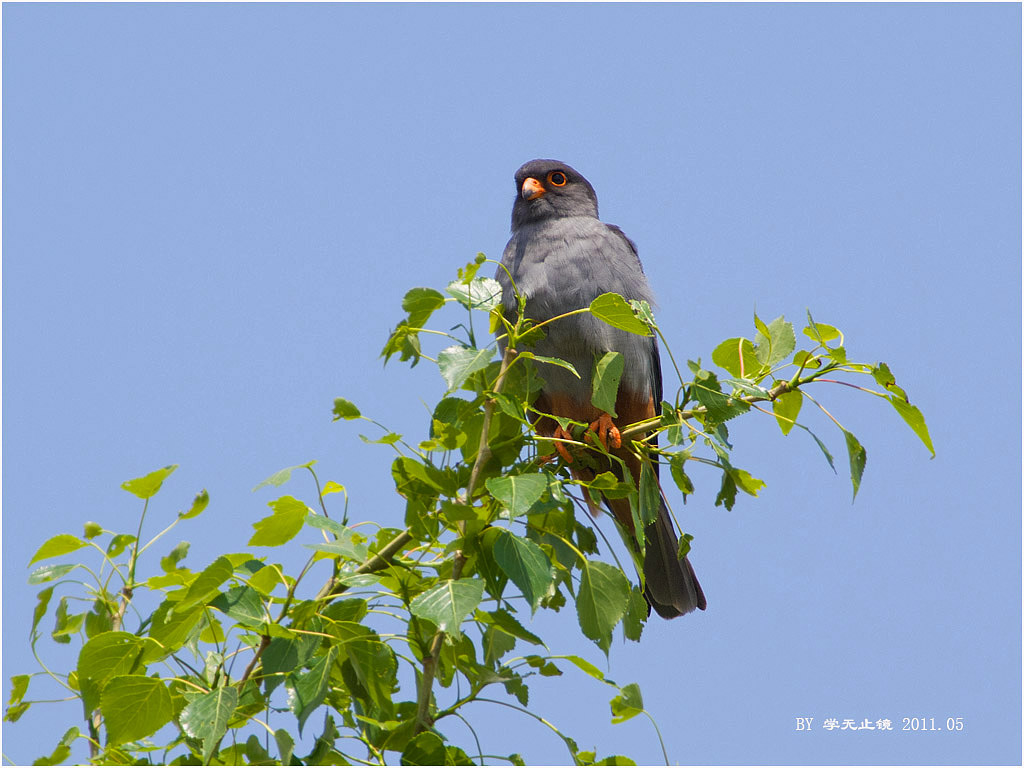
(671, 586)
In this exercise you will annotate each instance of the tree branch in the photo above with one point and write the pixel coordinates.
(378, 562)
(483, 454)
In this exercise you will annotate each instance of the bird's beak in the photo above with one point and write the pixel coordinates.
(532, 189)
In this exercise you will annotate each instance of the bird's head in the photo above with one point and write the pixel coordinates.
(551, 189)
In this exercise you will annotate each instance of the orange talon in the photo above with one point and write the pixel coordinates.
(606, 431)
(561, 434)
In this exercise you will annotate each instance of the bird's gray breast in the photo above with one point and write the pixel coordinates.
(564, 264)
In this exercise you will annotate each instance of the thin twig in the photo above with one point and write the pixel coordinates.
(264, 642)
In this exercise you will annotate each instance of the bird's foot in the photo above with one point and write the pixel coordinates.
(606, 431)
(563, 451)
(558, 436)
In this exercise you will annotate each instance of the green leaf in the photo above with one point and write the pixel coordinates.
(457, 756)
(786, 408)
(858, 458)
(346, 409)
(242, 604)
(66, 624)
(518, 493)
(424, 749)
(550, 361)
(525, 564)
(643, 311)
(404, 341)
(421, 303)
(253, 751)
(171, 628)
(821, 332)
(518, 688)
(282, 526)
(267, 579)
(58, 545)
(306, 691)
(206, 584)
(628, 704)
(883, 376)
(19, 687)
(745, 481)
(610, 486)
(206, 716)
(708, 392)
(737, 356)
(457, 363)
(282, 476)
(448, 603)
(62, 751)
(774, 342)
(744, 387)
(13, 713)
(147, 486)
(601, 601)
(98, 620)
(92, 530)
(119, 543)
(605, 383)
(285, 746)
(496, 643)
(915, 420)
(727, 492)
(650, 494)
(406, 470)
(285, 655)
(684, 545)
(347, 542)
(103, 657)
(614, 310)
(134, 707)
(199, 503)
(375, 667)
(332, 487)
(677, 465)
(169, 564)
(481, 548)
(389, 439)
(615, 760)
(545, 668)
(838, 355)
(585, 666)
(339, 549)
(45, 573)
(636, 615)
(804, 359)
(507, 622)
(42, 601)
(483, 293)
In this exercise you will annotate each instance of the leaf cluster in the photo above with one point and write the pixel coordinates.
(405, 630)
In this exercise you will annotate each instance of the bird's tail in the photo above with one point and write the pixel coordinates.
(671, 587)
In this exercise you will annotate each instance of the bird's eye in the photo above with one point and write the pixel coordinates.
(557, 179)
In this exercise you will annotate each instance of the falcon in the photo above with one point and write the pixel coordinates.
(562, 256)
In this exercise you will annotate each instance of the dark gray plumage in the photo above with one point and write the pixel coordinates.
(561, 257)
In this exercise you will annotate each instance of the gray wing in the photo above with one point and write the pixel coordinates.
(656, 383)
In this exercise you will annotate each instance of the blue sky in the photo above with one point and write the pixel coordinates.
(211, 213)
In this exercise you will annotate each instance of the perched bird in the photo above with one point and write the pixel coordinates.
(561, 257)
